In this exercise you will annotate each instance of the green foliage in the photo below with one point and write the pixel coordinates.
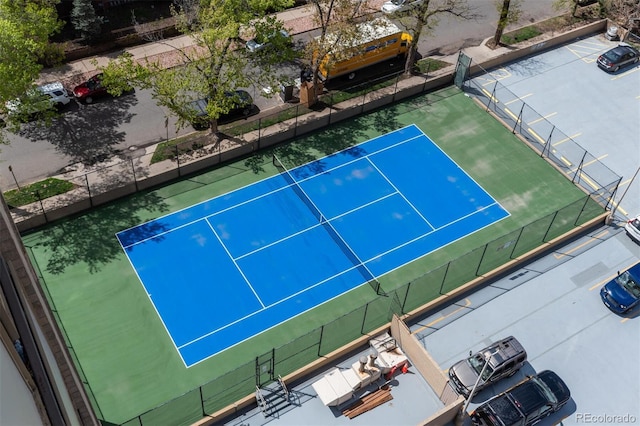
(25, 27)
(85, 20)
(53, 55)
(217, 63)
(172, 148)
(37, 191)
(428, 65)
(521, 35)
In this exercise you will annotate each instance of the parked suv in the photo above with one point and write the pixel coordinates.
(40, 99)
(502, 359)
(525, 404)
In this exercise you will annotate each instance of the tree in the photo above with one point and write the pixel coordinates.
(85, 20)
(217, 64)
(510, 12)
(423, 18)
(25, 27)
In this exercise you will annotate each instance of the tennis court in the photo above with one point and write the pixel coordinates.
(126, 342)
(324, 228)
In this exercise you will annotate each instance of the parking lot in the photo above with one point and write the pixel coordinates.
(598, 110)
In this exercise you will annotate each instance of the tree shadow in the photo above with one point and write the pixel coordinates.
(85, 133)
(90, 238)
(344, 136)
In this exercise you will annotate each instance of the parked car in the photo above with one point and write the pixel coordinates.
(393, 6)
(622, 293)
(242, 105)
(503, 359)
(632, 228)
(261, 42)
(620, 56)
(524, 404)
(90, 89)
(38, 100)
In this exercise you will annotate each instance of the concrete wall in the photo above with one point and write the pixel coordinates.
(516, 54)
(422, 361)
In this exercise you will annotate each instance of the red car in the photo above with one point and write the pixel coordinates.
(90, 89)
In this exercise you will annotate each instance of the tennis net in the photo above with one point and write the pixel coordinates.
(353, 257)
(326, 224)
(298, 189)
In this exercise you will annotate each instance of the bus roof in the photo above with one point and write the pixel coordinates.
(367, 32)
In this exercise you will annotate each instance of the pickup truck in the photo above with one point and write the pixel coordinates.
(524, 404)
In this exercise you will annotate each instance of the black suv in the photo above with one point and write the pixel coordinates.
(503, 359)
(525, 404)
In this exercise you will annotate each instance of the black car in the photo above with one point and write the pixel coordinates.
(618, 57)
(524, 404)
(242, 105)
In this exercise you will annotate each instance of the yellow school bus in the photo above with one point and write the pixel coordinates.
(377, 41)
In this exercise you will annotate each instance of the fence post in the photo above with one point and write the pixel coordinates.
(586, 200)
(406, 295)
(44, 212)
(178, 159)
(444, 278)
(481, 257)
(204, 413)
(518, 120)
(320, 342)
(579, 168)
(516, 244)
(86, 179)
(135, 178)
(364, 318)
(544, 238)
(395, 88)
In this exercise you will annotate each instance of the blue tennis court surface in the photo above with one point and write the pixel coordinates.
(229, 268)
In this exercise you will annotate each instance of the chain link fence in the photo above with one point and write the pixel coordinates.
(309, 347)
(551, 143)
(96, 184)
(134, 174)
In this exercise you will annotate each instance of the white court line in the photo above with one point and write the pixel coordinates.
(269, 306)
(360, 207)
(266, 193)
(401, 194)
(434, 231)
(155, 308)
(314, 226)
(234, 262)
(338, 274)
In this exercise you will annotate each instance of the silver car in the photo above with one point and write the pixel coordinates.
(501, 359)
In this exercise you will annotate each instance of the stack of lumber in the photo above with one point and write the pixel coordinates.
(368, 402)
